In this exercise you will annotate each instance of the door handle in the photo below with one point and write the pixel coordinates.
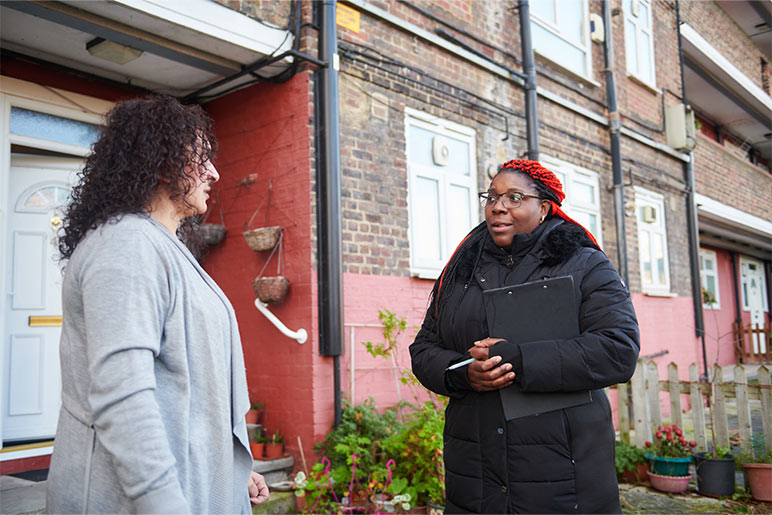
(45, 321)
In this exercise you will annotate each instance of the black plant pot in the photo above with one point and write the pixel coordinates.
(715, 477)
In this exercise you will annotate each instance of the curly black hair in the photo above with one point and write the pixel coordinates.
(142, 142)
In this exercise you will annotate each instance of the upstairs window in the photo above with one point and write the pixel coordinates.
(560, 33)
(652, 242)
(442, 190)
(582, 191)
(639, 44)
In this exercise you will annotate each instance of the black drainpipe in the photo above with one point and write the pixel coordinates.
(616, 143)
(328, 190)
(529, 69)
(738, 314)
(691, 218)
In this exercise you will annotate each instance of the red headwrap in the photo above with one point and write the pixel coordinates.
(549, 179)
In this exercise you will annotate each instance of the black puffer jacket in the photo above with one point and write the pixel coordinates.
(557, 462)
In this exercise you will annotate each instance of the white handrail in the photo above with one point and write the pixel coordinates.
(300, 335)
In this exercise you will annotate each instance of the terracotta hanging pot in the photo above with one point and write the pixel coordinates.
(271, 289)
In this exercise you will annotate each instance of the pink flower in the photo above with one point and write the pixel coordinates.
(660, 428)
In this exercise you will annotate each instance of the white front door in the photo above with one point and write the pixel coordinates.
(753, 298)
(31, 379)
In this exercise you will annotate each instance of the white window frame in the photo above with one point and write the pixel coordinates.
(634, 65)
(429, 268)
(584, 46)
(743, 281)
(577, 175)
(710, 255)
(644, 197)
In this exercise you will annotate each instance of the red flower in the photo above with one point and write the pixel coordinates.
(678, 431)
(682, 440)
(693, 443)
(648, 443)
(668, 429)
(670, 437)
(659, 435)
(660, 428)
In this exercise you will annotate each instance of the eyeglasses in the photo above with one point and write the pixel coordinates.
(510, 199)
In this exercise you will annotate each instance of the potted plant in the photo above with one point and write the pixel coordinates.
(255, 413)
(758, 469)
(257, 445)
(669, 457)
(631, 463)
(715, 472)
(275, 447)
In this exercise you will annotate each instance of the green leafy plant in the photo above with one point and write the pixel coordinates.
(393, 326)
(670, 442)
(760, 452)
(258, 406)
(722, 453)
(277, 437)
(627, 457)
(259, 438)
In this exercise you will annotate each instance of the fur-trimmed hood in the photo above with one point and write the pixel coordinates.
(561, 241)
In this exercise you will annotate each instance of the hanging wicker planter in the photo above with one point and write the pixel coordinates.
(271, 289)
(212, 234)
(262, 238)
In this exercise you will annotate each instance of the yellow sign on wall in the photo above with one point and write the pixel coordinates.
(347, 17)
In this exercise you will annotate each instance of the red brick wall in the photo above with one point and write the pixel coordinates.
(723, 33)
(264, 130)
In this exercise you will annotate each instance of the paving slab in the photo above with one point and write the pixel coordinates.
(20, 496)
(637, 499)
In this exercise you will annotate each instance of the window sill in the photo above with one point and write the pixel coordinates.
(663, 294)
(586, 81)
(646, 85)
(423, 273)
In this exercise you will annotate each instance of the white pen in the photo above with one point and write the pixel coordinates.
(460, 364)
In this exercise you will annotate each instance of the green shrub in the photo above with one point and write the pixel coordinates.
(627, 457)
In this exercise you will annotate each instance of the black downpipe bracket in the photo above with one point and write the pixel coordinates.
(529, 69)
(329, 184)
(691, 217)
(616, 143)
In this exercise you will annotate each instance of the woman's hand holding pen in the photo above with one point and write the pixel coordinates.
(484, 373)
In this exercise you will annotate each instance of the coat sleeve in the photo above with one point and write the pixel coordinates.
(604, 353)
(126, 295)
(430, 357)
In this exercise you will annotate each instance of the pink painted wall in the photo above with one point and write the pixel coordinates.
(667, 323)
(363, 296)
(718, 322)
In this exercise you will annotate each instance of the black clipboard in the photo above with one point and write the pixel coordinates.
(533, 311)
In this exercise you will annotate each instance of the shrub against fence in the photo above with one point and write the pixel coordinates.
(645, 387)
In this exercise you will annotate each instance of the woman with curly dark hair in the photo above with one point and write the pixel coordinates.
(153, 385)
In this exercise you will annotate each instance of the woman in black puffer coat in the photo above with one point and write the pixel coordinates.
(560, 461)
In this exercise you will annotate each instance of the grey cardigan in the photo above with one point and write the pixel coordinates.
(153, 385)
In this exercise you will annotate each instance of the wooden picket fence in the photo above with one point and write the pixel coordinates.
(752, 343)
(645, 387)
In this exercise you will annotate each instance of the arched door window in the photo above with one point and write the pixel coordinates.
(43, 198)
